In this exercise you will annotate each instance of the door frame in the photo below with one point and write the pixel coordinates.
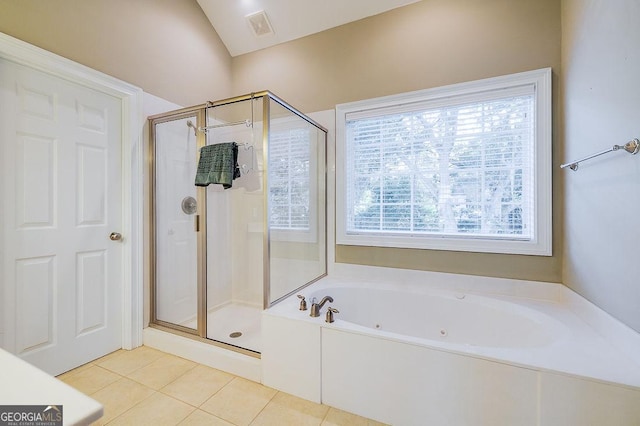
(130, 97)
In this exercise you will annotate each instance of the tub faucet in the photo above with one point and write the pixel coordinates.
(330, 312)
(315, 307)
(303, 303)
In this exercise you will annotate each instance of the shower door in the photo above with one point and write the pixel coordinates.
(175, 205)
(207, 242)
(235, 230)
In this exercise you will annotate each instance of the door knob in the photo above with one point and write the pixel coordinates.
(115, 236)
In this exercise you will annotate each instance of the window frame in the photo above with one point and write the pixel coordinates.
(541, 241)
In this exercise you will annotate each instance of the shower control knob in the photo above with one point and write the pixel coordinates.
(115, 236)
(189, 205)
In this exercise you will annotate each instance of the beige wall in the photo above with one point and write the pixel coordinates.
(601, 104)
(166, 47)
(426, 44)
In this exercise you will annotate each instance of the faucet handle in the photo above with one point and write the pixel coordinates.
(303, 303)
(330, 312)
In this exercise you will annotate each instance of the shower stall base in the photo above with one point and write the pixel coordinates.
(203, 352)
(236, 324)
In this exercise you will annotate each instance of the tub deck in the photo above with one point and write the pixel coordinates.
(588, 362)
(574, 348)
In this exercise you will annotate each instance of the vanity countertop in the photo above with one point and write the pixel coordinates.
(24, 384)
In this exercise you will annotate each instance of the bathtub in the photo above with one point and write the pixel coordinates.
(455, 350)
(453, 320)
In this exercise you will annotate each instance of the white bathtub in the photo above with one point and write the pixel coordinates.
(456, 351)
(455, 320)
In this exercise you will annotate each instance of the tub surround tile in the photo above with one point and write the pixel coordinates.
(162, 371)
(157, 410)
(239, 402)
(197, 385)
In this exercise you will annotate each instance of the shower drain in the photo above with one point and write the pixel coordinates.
(235, 334)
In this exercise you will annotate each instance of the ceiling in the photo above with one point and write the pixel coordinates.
(289, 19)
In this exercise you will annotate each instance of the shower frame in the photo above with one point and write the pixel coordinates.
(200, 224)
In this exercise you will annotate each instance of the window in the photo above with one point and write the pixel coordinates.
(292, 181)
(289, 179)
(465, 167)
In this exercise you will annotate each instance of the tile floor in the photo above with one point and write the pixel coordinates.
(149, 387)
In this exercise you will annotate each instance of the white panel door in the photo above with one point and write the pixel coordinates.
(62, 197)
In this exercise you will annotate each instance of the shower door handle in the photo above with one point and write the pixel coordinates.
(115, 236)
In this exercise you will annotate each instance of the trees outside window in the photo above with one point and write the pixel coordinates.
(461, 166)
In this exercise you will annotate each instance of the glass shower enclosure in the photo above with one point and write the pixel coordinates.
(220, 256)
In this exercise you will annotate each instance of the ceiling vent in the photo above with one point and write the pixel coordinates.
(260, 24)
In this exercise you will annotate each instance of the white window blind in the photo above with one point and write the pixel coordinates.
(462, 166)
(289, 173)
(454, 169)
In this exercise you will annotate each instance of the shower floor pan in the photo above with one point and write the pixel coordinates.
(235, 324)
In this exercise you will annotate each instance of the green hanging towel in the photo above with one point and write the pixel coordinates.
(218, 165)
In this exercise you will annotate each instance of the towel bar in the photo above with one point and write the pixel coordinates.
(632, 147)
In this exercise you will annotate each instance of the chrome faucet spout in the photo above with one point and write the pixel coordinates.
(315, 307)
